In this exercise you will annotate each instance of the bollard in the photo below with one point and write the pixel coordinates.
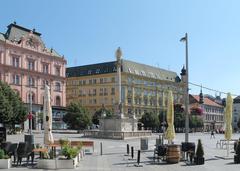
(101, 148)
(138, 159)
(132, 152)
(127, 149)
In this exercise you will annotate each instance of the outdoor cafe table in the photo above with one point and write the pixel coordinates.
(40, 151)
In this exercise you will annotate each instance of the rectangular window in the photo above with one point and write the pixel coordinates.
(15, 62)
(105, 80)
(101, 92)
(16, 79)
(31, 65)
(105, 92)
(90, 81)
(45, 68)
(113, 79)
(113, 91)
(57, 70)
(94, 81)
(31, 81)
(101, 80)
(94, 92)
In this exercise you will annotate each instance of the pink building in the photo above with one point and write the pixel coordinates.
(27, 65)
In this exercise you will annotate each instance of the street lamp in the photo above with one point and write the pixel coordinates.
(185, 39)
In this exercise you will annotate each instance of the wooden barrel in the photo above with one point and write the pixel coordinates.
(173, 154)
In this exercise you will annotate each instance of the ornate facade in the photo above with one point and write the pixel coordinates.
(27, 65)
(143, 87)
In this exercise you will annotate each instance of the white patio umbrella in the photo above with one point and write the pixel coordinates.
(47, 117)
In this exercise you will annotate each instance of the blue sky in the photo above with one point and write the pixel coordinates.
(148, 31)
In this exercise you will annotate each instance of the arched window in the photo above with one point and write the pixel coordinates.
(58, 101)
(57, 86)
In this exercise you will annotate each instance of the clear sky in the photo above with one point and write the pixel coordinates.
(148, 31)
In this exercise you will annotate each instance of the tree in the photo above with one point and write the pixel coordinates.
(150, 120)
(98, 114)
(12, 109)
(77, 117)
(5, 109)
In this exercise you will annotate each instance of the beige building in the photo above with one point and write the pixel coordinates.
(143, 87)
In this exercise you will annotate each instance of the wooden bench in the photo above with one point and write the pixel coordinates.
(77, 143)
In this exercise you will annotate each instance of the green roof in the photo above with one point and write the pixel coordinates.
(131, 67)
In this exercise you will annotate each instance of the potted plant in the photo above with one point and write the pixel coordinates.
(71, 158)
(237, 155)
(199, 159)
(5, 161)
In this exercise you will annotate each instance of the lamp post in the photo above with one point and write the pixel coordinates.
(185, 39)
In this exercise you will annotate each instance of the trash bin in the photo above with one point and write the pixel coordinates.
(29, 139)
(144, 143)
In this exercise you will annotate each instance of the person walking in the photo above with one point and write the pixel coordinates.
(212, 135)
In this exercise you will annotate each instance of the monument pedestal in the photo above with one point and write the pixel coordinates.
(118, 124)
(117, 128)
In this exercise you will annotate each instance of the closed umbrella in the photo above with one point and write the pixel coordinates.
(47, 117)
(170, 133)
(228, 120)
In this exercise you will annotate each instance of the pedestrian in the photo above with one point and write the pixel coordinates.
(212, 135)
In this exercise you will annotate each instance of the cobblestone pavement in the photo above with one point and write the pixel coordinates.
(114, 157)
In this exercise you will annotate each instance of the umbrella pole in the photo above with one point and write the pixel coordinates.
(228, 149)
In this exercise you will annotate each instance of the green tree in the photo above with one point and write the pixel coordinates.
(15, 112)
(98, 114)
(150, 120)
(5, 109)
(77, 117)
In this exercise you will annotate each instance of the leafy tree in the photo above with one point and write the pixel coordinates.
(12, 109)
(98, 114)
(77, 117)
(150, 120)
(5, 109)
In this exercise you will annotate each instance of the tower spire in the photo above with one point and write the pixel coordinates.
(201, 100)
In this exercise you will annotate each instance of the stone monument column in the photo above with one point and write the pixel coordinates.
(119, 81)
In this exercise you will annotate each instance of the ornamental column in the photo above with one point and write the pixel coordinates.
(118, 55)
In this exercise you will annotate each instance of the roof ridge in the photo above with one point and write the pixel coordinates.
(150, 66)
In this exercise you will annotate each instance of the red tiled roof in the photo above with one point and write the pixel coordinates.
(207, 101)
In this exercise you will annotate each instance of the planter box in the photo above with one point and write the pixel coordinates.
(5, 163)
(46, 164)
(68, 163)
(58, 163)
